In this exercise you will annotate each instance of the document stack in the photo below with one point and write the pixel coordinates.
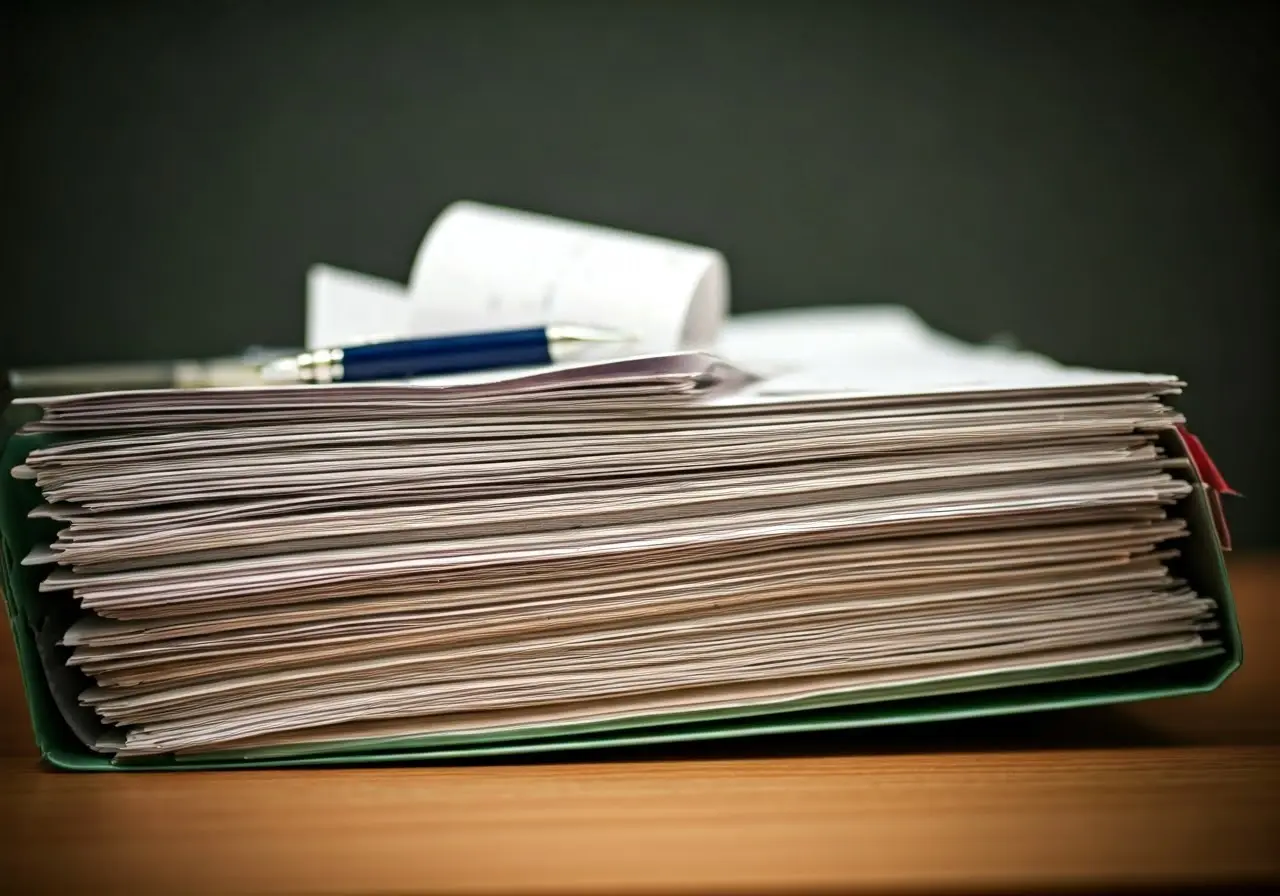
(655, 548)
(737, 525)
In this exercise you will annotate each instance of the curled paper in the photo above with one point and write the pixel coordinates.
(485, 267)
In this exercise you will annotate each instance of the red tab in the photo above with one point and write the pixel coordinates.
(1213, 479)
(1205, 466)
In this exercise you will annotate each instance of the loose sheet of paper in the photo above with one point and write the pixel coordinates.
(483, 267)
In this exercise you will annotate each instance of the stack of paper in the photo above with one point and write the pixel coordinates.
(618, 541)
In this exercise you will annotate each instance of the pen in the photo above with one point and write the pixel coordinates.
(438, 354)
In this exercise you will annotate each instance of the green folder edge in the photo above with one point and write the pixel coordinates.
(1094, 684)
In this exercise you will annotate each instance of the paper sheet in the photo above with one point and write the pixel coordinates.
(484, 267)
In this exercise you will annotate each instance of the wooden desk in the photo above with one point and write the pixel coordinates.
(1179, 792)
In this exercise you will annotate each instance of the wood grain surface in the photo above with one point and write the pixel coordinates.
(1174, 793)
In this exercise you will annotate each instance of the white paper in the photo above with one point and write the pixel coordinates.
(483, 267)
(346, 307)
(787, 340)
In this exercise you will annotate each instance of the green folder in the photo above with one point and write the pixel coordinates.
(37, 618)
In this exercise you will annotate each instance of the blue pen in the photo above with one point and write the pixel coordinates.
(430, 355)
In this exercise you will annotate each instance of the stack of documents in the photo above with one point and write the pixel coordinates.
(616, 549)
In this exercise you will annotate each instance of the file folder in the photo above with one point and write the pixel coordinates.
(40, 621)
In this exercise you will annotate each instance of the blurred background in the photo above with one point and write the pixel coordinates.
(1095, 180)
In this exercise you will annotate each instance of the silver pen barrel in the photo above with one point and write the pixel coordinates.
(243, 370)
(90, 377)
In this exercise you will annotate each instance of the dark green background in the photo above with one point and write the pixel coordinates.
(1098, 179)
